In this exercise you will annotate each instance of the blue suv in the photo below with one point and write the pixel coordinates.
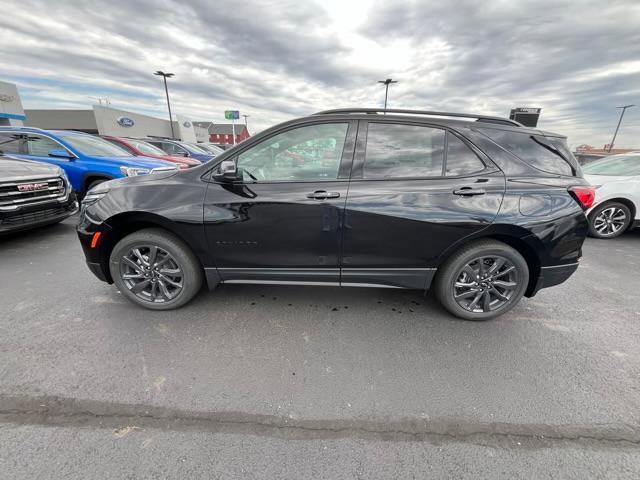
(86, 159)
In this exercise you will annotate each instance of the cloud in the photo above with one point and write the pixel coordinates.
(275, 60)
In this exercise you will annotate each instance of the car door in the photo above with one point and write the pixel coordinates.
(415, 190)
(281, 223)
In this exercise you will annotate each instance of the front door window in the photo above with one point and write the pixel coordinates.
(310, 153)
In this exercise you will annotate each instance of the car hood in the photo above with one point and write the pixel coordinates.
(181, 160)
(18, 169)
(142, 162)
(600, 179)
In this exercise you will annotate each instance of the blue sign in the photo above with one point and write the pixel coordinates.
(231, 114)
(125, 122)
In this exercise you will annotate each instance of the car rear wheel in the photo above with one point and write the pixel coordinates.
(482, 281)
(609, 220)
(155, 269)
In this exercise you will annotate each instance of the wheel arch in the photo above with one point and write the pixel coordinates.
(514, 236)
(125, 223)
(91, 177)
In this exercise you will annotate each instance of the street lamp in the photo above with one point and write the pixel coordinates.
(624, 108)
(386, 84)
(245, 120)
(166, 91)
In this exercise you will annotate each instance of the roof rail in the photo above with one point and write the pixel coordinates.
(22, 127)
(479, 118)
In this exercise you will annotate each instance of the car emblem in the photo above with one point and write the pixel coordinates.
(32, 187)
(125, 122)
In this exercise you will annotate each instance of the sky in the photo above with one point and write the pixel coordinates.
(279, 59)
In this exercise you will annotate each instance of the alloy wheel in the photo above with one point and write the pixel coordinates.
(151, 273)
(610, 221)
(485, 284)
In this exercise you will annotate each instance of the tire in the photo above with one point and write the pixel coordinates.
(454, 279)
(172, 255)
(609, 220)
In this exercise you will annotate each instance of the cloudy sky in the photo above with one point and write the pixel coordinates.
(279, 59)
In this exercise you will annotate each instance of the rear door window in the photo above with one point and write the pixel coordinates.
(536, 150)
(400, 151)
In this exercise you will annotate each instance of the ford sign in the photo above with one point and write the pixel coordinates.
(125, 122)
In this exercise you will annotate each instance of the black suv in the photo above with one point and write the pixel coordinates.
(481, 208)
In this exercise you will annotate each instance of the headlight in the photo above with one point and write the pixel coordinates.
(134, 171)
(96, 193)
(65, 178)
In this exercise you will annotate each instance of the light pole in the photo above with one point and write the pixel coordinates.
(624, 108)
(245, 121)
(386, 84)
(166, 91)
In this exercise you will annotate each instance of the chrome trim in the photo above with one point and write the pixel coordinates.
(561, 266)
(283, 282)
(368, 285)
(11, 201)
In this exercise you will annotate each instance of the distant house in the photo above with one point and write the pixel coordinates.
(222, 133)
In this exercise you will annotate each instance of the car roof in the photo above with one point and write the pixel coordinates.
(453, 119)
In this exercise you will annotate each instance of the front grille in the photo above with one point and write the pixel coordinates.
(32, 217)
(14, 195)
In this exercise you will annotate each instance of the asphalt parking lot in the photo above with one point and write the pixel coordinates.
(300, 382)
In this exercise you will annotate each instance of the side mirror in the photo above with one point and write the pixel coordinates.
(60, 153)
(227, 170)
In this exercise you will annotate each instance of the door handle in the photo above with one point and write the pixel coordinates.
(469, 191)
(322, 194)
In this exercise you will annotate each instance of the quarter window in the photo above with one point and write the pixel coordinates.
(460, 158)
(303, 154)
(397, 151)
(537, 152)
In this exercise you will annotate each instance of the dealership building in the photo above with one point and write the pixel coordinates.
(104, 120)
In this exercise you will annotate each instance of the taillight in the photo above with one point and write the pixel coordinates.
(585, 195)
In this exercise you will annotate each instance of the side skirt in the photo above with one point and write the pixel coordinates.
(411, 278)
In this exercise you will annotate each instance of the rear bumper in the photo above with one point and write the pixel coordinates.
(29, 217)
(555, 275)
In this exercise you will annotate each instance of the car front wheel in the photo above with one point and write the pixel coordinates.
(482, 280)
(155, 269)
(609, 220)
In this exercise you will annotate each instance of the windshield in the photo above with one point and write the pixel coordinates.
(212, 148)
(615, 165)
(196, 148)
(147, 148)
(95, 147)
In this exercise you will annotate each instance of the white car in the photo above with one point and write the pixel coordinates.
(617, 182)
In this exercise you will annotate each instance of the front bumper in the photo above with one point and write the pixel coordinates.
(554, 275)
(94, 250)
(34, 216)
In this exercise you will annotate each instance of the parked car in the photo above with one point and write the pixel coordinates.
(180, 149)
(212, 148)
(86, 159)
(140, 148)
(33, 194)
(617, 185)
(586, 158)
(482, 211)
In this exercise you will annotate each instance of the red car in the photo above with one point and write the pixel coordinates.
(141, 148)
